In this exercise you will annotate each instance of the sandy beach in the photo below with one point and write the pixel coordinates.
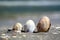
(53, 34)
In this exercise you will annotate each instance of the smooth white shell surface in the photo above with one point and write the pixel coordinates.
(30, 25)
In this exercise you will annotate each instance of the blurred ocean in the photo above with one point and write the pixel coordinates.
(13, 14)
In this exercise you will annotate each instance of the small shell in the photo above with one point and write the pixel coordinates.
(17, 27)
(3, 34)
(14, 36)
(43, 24)
(3, 38)
(24, 35)
(29, 26)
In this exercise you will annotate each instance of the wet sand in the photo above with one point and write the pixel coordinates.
(53, 34)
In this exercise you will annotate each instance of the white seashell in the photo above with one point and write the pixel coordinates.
(24, 35)
(17, 27)
(3, 38)
(3, 34)
(14, 36)
(29, 26)
(55, 33)
(57, 27)
(43, 24)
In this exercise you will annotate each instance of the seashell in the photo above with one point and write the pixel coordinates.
(44, 24)
(14, 36)
(4, 37)
(29, 26)
(3, 34)
(17, 27)
(24, 35)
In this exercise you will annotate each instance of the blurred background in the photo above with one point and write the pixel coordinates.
(13, 11)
